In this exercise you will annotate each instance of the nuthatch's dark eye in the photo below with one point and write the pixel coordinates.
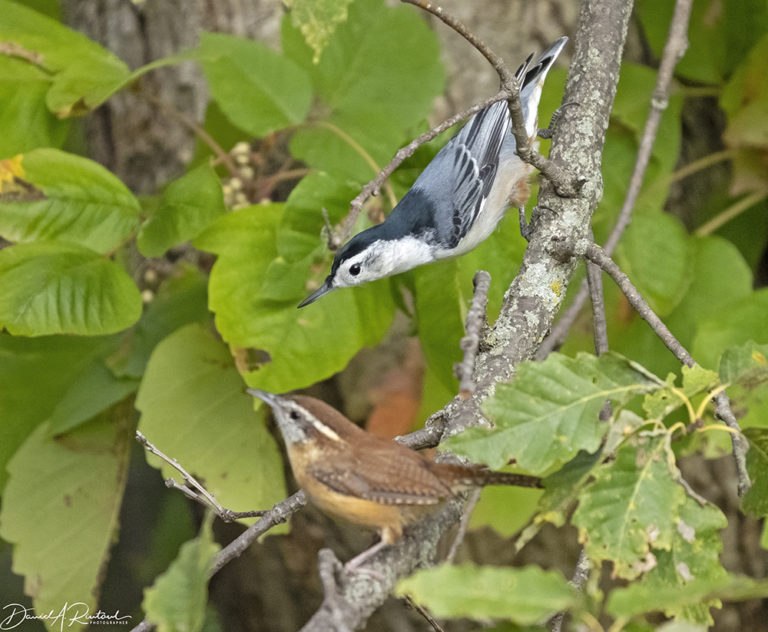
(294, 415)
(355, 269)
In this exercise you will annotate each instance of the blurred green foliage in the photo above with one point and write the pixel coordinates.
(341, 97)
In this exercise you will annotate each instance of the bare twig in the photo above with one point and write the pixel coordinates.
(580, 576)
(595, 282)
(197, 129)
(192, 489)
(474, 496)
(424, 613)
(495, 60)
(723, 410)
(674, 49)
(529, 305)
(271, 518)
(476, 319)
(427, 437)
(733, 211)
(740, 446)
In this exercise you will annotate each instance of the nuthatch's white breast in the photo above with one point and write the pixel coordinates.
(459, 198)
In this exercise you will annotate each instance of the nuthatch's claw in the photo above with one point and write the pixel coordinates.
(549, 131)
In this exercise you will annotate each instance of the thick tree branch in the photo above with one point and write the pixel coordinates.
(675, 47)
(529, 306)
(534, 297)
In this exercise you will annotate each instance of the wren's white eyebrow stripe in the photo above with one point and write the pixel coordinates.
(321, 427)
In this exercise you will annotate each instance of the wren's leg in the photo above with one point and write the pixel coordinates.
(354, 564)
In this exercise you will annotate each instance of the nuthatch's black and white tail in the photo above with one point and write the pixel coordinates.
(535, 74)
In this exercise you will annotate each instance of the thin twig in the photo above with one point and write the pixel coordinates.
(600, 323)
(723, 410)
(674, 49)
(361, 151)
(192, 489)
(271, 518)
(740, 446)
(495, 60)
(476, 319)
(580, 575)
(424, 613)
(474, 496)
(221, 155)
(733, 211)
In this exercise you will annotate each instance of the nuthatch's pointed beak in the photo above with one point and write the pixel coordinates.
(318, 293)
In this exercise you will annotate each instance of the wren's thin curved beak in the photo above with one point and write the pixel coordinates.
(318, 293)
(264, 396)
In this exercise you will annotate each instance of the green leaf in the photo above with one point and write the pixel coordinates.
(523, 595)
(720, 34)
(24, 117)
(95, 390)
(176, 602)
(747, 364)
(744, 320)
(365, 69)
(84, 73)
(188, 205)
(25, 364)
(560, 492)
(720, 276)
(194, 407)
(755, 501)
(631, 107)
(180, 300)
(51, 288)
(258, 89)
(745, 99)
(550, 411)
(76, 200)
(562, 487)
(375, 87)
(631, 507)
(317, 20)
(696, 379)
(693, 556)
(254, 292)
(663, 278)
(441, 311)
(505, 509)
(79, 478)
(299, 229)
(640, 598)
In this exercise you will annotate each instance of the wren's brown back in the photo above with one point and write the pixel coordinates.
(373, 481)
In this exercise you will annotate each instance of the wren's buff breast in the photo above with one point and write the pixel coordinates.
(365, 479)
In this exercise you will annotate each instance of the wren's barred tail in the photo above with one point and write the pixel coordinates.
(480, 476)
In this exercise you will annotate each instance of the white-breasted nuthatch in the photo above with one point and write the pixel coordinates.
(458, 199)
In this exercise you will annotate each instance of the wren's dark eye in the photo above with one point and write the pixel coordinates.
(294, 415)
(355, 269)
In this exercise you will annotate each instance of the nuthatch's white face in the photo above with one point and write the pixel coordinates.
(362, 261)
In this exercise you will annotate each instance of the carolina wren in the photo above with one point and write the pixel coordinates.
(365, 479)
